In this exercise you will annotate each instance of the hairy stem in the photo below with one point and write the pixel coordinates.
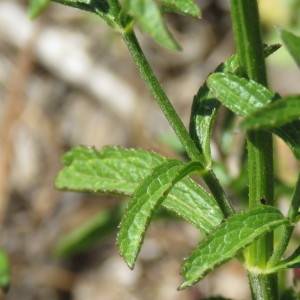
(174, 120)
(246, 28)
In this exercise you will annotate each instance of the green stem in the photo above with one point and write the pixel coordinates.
(160, 96)
(263, 286)
(246, 28)
(167, 108)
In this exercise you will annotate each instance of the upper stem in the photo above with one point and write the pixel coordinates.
(174, 120)
(160, 96)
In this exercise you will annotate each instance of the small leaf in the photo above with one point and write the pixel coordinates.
(119, 171)
(184, 7)
(276, 114)
(292, 42)
(93, 230)
(241, 95)
(226, 240)
(146, 200)
(4, 271)
(293, 261)
(149, 17)
(36, 7)
(290, 133)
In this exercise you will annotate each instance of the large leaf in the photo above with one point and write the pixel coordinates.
(184, 7)
(36, 7)
(146, 200)
(292, 42)
(226, 240)
(205, 106)
(119, 171)
(150, 19)
(245, 96)
(276, 114)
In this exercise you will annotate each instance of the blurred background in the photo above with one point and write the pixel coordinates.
(66, 79)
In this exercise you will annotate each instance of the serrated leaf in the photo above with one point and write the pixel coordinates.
(276, 114)
(292, 42)
(184, 7)
(84, 236)
(4, 271)
(241, 95)
(226, 240)
(146, 200)
(244, 97)
(113, 170)
(36, 7)
(119, 171)
(205, 105)
(150, 19)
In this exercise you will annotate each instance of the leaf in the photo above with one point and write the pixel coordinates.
(245, 96)
(36, 7)
(89, 5)
(146, 200)
(292, 42)
(119, 171)
(184, 7)
(293, 261)
(4, 271)
(149, 17)
(276, 114)
(205, 106)
(93, 230)
(226, 240)
(290, 133)
(241, 95)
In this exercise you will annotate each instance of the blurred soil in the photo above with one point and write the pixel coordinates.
(65, 80)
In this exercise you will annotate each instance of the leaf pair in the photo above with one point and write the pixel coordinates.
(260, 107)
(206, 105)
(119, 171)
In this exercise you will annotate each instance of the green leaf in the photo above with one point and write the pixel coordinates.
(89, 5)
(184, 7)
(292, 42)
(205, 105)
(245, 96)
(83, 237)
(36, 7)
(4, 271)
(146, 200)
(113, 170)
(204, 110)
(293, 261)
(119, 171)
(241, 95)
(226, 240)
(150, 19)
(290, 133)
(276, 114)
